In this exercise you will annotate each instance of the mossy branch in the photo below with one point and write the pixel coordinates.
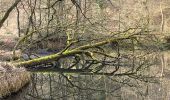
(78, 50)
(72, 52)
(20, 41)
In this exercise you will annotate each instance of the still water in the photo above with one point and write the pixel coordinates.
(57, 86)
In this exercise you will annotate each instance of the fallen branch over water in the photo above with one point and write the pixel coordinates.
(87, 50)
(66, 53)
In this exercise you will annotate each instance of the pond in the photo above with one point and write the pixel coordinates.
(70, 86)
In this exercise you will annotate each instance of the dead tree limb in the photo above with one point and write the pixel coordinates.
(8, 12)
(66, 53)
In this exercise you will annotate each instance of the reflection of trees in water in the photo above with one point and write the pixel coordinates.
(54, 86)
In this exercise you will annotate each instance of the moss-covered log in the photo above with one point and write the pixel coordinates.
(66, 53)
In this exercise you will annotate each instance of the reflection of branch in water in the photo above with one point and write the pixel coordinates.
(80, 71)
(34, 83)
(73, 85)
(39, 97)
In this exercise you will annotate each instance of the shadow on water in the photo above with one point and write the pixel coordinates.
(66, 86)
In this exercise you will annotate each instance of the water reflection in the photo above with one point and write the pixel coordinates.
(69, 86)
(56, 86)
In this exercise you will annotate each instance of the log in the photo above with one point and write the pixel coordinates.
(66, 53)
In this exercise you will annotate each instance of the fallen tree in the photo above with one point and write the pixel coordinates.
(79, 50)
(88, 50)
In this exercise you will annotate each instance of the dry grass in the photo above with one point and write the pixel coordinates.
(12, 79)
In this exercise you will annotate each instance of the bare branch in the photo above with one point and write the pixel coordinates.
(8, 12)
